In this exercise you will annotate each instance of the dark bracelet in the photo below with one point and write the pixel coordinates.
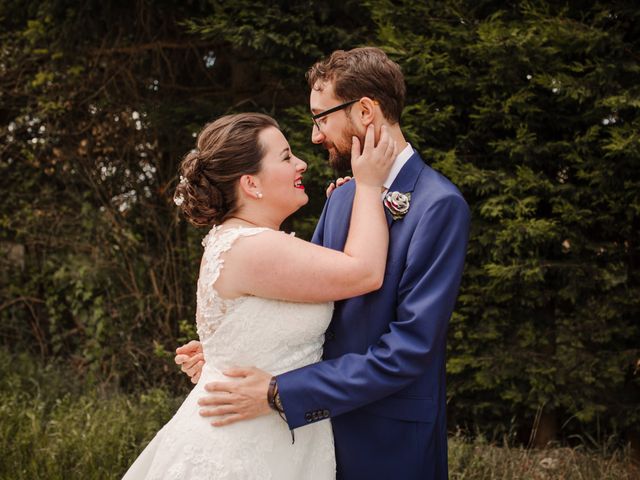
(271, 393)
(277, 402)
(273, 397)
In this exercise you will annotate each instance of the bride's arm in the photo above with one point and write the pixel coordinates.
(275, 265)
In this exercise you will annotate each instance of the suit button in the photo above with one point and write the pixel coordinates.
(307, 417)
(326, 413)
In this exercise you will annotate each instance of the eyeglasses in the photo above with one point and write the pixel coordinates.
(330, 110)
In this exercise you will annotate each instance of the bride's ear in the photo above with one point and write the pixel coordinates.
(250, 186)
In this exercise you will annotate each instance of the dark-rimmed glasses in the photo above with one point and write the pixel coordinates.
(330, 110)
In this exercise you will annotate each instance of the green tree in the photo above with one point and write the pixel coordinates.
(99, 103)
(532, 110)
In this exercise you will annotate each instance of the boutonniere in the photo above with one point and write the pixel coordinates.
(397, 203)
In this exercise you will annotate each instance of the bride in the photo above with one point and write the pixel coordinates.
(264, 297)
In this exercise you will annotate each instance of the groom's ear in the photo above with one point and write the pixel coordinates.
(368, 110)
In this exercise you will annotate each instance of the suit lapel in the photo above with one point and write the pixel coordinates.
(406, 180)
(337, 225)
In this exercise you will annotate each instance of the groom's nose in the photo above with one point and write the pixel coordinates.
(317, 136)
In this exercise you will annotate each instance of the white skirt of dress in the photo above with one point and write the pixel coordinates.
(188, 447)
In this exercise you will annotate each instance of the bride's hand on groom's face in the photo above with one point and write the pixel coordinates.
(372, 163)
(240, 399)
(190, 358)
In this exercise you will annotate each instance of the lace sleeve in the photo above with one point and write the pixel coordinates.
(211, 308)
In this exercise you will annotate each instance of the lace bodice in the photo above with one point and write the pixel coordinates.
(271, 334)
(211, 307)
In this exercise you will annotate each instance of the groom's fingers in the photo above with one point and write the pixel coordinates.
(228, 420)
(180, 359)
(218, 387)
(190, 348)
(330, 188)
(215, 412)
(221, 387)
(342, 180)
(193, 369)
(190, 365)
(238, 372)
(189, 361)
(218, 399)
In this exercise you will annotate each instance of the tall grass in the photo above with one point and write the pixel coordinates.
(478, 460)
(53, 427)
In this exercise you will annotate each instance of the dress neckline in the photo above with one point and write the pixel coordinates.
(218, 228)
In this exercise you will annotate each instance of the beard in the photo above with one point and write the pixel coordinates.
(340, 151)
(339, 160)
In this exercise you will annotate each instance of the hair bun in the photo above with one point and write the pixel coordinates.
(227, 149)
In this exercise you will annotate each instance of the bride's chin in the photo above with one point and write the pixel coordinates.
(300, 204)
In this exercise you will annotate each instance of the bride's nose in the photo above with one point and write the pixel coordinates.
(301, 166)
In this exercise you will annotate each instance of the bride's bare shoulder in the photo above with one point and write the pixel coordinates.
(250, 254)
(257, 244)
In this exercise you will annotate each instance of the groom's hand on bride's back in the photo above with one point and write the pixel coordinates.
(244, 397)
(190, 358)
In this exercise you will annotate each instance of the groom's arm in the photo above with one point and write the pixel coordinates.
(426, 296)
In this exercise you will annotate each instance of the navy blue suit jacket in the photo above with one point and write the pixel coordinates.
(382, 380)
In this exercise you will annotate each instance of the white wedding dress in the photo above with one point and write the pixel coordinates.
(275, 336)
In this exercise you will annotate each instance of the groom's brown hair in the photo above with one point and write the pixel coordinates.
(362, 72)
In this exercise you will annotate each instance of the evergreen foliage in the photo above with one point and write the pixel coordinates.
(530, 107)
(532, 112)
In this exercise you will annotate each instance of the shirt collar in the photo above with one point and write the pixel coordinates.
(399, 162)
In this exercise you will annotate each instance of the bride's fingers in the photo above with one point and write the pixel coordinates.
(390, 152)
(369, 140)
(355, 147)
(384, 141)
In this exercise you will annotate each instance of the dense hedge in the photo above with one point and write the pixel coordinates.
(531, 108)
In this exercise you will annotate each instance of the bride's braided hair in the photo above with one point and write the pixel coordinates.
(226, 149)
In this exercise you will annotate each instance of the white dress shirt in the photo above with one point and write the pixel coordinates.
(398, 163)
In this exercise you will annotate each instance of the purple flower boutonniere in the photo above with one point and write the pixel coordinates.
(397, 203)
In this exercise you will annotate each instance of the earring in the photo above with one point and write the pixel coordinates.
(258, 195)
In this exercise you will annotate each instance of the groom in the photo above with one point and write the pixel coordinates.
(382, 380)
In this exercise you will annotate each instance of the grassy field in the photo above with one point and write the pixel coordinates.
(478, 460)
(52, 427)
